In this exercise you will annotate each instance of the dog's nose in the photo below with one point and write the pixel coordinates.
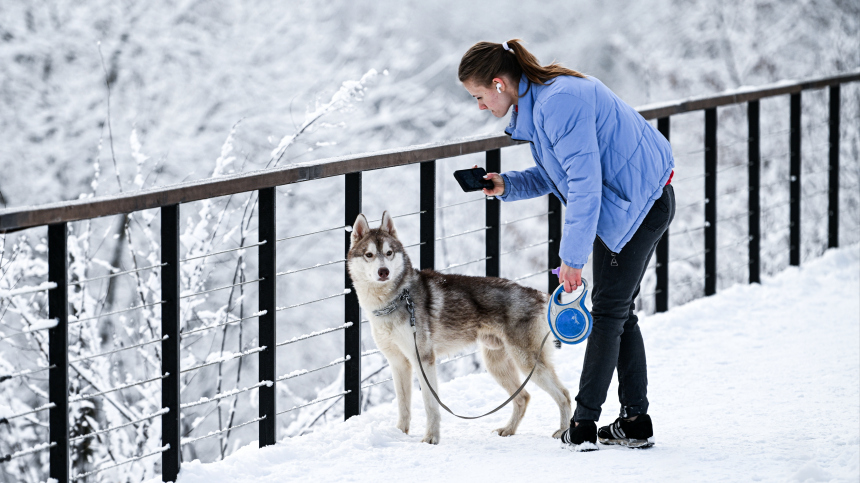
(383, 272)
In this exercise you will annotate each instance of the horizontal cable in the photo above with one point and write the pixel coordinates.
(116, 274)
(44, 407)
(526, 247)
(527, 218)
(154, 341)
(377, 383)
(690, 205)
(229, 322)
(42, 287)
(364, 321)
(458, 357)
(344, 227)
(118, 388)
(727, 168)
(226, 358)
(130, 460)
(687, 178)
(221, 288)
(531, 275)
(743, 241)
(745, 214)
(461, 203)
(370, 352)
(449, 267)
(314, 334)
(688, 230)
(684, 259)
(464, 233)
(6, 377)
(115, 312)
(223, 251)
(345, 291)
(399, 216)
(107, 430)
(302, 372)
(413, 245)
(217, 397)
(315, 401)
(216, 433)
(309, 268)
(25, 452)
(42, 324)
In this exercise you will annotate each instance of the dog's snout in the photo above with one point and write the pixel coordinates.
(383, 272)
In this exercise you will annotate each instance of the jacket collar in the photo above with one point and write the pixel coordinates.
(522, 127)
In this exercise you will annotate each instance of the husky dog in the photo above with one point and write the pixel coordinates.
(451, 312)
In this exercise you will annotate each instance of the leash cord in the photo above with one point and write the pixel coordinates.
(411, 309)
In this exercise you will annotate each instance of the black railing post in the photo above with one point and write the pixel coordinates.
(554, 225)
(710, 201)
(267, 268)
(170, 422)
(754, 192)
(427, 229)
(493, 219)
(58, 350)
(661, 295)
(833, 189)
(351, 312)
(794, 197)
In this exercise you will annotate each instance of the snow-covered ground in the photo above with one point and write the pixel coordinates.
(757, 383)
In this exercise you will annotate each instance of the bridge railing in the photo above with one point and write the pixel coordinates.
(57, 216)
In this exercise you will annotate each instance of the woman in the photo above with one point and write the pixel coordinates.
(612, 170)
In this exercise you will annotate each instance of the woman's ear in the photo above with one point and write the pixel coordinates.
(359, 230)
(388, 224)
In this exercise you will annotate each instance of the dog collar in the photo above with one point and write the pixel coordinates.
(388, 309)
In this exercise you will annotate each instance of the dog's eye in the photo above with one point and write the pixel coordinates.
(388, 254)
(368, 255)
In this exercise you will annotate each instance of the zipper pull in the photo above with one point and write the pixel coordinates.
(614, 262)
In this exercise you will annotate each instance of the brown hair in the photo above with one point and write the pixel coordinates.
(486, 60)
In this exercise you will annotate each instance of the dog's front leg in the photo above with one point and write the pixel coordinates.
(401, 369)
(431, 406)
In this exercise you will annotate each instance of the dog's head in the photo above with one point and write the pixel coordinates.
(376, 255)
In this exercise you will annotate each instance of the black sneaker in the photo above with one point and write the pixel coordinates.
(582, 437)
(633, 434)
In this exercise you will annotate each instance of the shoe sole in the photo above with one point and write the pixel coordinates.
(580, 448)
(630, 443)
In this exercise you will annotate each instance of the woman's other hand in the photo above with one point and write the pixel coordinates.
(498, 184)
(570, 277)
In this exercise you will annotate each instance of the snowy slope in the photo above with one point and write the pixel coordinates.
(757, 383)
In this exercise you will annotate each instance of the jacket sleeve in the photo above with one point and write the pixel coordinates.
(521, 185)
(569, 124)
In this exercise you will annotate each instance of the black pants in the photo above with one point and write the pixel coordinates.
(615, 340)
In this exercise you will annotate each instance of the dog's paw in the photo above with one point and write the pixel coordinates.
(431, 438)
(506, 431)
(557, 434)
(403, 426)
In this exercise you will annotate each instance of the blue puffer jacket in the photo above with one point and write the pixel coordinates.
(599, 156)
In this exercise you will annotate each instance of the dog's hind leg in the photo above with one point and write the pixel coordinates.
(401, 369)
(546, 379)
(503, 370)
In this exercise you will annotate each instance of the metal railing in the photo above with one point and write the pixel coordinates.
(56, 217)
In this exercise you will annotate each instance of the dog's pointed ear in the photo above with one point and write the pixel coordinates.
(388, 224)
(359, 230)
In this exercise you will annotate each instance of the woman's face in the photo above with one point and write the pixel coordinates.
(489, 98)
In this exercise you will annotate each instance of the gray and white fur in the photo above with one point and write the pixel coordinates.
(452, 312)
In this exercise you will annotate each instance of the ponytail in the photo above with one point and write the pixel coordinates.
(487, 60)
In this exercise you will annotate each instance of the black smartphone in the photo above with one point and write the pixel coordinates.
(472, 179)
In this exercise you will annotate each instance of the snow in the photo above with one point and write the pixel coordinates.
(759, 382)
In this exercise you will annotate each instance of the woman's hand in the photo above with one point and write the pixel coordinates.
(570, 277)
(498, 184)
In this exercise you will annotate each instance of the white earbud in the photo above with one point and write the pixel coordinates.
(498, 88)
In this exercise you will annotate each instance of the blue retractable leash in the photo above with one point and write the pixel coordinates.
(570, 323)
